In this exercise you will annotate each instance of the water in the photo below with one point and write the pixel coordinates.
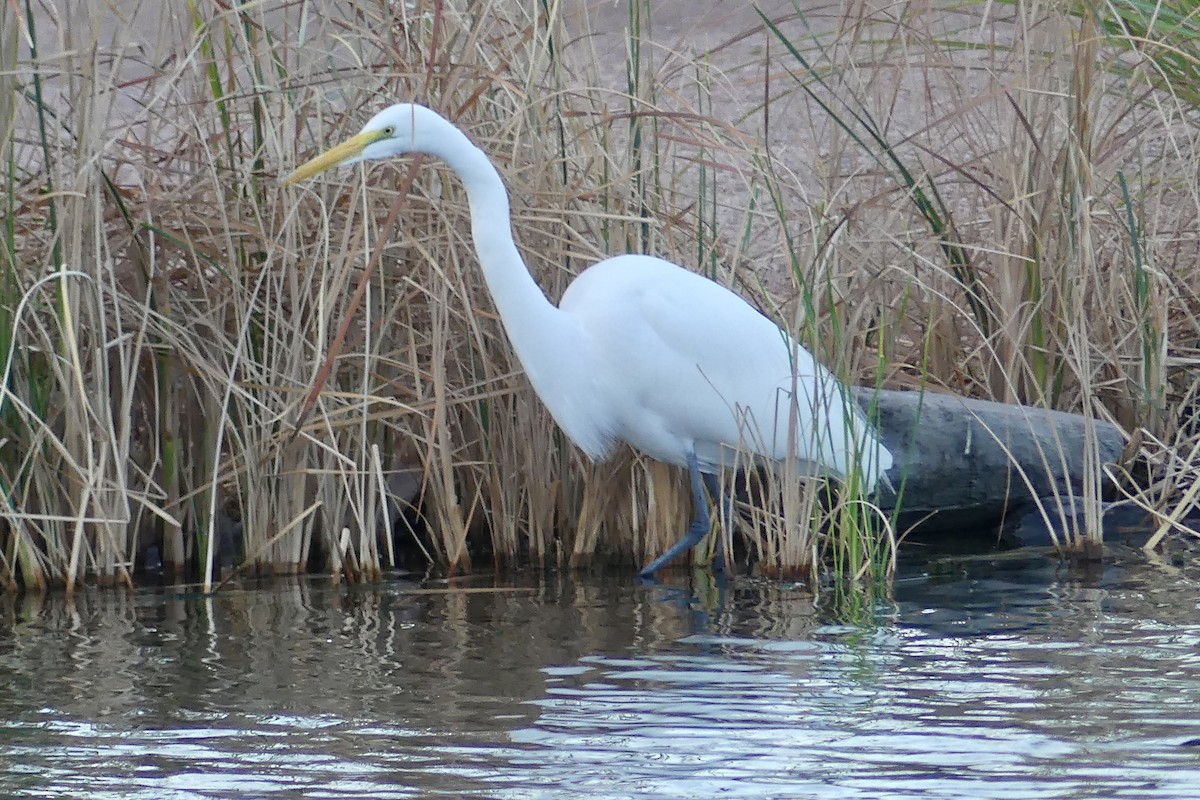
(1011, 677)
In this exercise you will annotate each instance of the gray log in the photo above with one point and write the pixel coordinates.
(960, 460)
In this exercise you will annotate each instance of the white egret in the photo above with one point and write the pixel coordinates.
(641, 350)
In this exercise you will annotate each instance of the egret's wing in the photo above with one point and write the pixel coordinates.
(734, 372)
(688, 359)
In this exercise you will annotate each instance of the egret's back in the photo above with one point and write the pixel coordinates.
(686, 364)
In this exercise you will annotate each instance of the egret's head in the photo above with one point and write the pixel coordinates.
(392, 132)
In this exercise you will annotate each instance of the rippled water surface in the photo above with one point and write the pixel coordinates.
(1012, 677)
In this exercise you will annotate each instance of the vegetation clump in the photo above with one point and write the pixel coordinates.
(995, 199)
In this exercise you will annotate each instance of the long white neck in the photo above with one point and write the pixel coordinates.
(546, 340)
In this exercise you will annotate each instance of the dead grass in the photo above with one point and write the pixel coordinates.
(165, 309)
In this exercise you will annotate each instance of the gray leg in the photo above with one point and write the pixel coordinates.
(725, 504)
(696, 531)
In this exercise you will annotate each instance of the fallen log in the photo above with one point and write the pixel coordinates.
(965, 465)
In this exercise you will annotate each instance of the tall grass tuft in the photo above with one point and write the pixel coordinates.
(211, 373)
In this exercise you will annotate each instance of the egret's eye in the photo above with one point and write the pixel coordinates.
(390, 130)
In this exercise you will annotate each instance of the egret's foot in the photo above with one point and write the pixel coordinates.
(695, 533)
(700, 521)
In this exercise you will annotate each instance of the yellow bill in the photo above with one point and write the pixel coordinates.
(351, 148)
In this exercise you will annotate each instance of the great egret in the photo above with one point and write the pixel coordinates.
(641, 350)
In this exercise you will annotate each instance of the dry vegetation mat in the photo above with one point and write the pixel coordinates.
(997, 199)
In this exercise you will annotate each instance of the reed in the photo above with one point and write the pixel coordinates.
(996, 199)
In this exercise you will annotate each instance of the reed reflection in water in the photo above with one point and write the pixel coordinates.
(986, 678)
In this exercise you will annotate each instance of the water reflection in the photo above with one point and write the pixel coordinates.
(986, 677)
